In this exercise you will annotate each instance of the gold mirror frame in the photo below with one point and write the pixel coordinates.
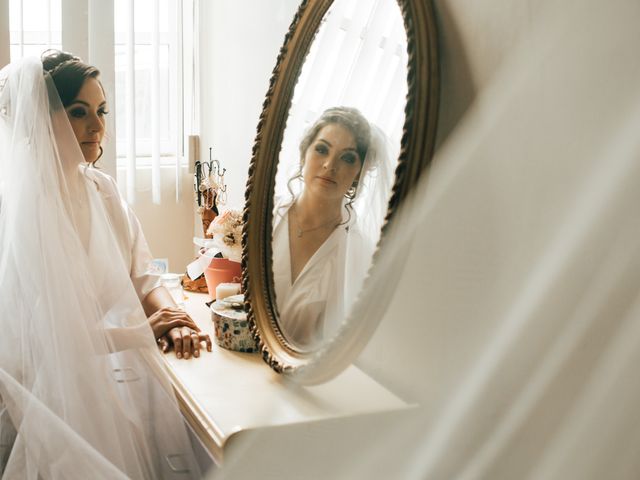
(417, 145)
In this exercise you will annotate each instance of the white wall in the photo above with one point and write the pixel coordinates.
(239, 45)
(168, 227)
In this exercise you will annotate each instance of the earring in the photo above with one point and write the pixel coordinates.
(351, 193)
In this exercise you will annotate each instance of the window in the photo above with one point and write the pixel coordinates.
(164, 107)
(35, 26)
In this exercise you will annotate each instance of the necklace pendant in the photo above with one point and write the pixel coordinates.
(299, 232)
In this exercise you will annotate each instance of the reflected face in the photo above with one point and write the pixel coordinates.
(86, 114)
(331, 163)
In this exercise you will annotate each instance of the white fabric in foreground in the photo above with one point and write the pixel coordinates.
(515, 325)
(81, 381)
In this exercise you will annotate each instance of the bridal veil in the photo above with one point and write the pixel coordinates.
(82, 389)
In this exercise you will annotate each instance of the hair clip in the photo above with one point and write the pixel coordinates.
(62, 64)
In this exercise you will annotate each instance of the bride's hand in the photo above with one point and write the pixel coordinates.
(186, 342)
(167, 318)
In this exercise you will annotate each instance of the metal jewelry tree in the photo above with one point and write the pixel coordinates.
(210, 189)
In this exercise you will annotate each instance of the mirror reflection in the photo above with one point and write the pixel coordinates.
(336, 167)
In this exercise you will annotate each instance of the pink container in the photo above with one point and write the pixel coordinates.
(222, 270)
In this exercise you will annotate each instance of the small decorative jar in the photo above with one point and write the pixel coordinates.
(231, 325)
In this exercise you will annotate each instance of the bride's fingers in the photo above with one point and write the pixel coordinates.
(161, 328)
(182, 323)
(176, 339)
(186, 319)
(163, 343)
(195, 343)
(203, 337)
(186, 342)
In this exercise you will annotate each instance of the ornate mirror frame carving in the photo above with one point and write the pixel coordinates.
(417, 145)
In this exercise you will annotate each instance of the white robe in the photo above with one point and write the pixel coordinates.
(131, 240)
(82, 389)
(132, 243)
(136, 257)
(312, 307)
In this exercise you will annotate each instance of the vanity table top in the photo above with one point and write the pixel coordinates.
(224, 393)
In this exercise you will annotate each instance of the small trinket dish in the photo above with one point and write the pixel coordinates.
(231, 324)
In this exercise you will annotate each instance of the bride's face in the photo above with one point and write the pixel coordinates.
(86, 114)
(331, 163)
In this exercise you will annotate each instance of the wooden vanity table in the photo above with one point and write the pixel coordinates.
(225, 394)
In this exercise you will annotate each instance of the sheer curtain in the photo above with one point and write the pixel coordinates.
(154, 88)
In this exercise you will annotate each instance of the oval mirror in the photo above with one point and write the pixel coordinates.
(347, 126)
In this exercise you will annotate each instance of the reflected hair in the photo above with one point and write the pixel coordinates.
(351, 119)
(68, 73)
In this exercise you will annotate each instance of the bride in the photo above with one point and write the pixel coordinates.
(83, 393)
(325, 234)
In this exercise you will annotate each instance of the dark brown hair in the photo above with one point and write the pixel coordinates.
(348, 117)
(68, 73)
